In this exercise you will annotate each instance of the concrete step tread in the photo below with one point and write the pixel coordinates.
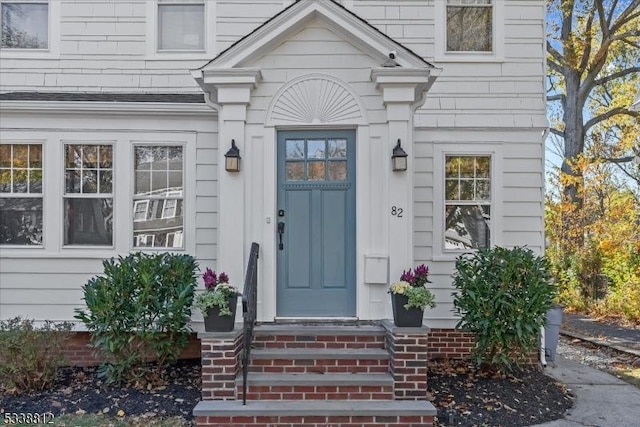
(319, 353)
(311, 330)
(313, 379)
(314, 407)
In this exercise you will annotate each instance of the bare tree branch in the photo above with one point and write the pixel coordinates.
(556, 132)
(558, 97)
(616, 75)
(587, 49)
(555, 54)
(613, 112)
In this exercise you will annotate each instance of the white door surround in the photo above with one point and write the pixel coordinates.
(313, 99)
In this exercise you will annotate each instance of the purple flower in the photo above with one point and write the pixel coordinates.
(210, 279)
(418, 277)
(407, 276)
(421, 273)
(223, 278)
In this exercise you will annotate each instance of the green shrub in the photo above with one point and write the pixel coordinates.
(502, 297)
(30, 356)
(139, 310)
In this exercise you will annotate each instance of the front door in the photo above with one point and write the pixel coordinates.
(316, 224)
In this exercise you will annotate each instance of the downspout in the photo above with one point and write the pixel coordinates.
(543, 356)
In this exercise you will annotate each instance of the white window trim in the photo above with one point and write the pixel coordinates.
(442, 55)
(63, 194)
(209, 37)
(187, 159)
(43, 196)
(441, 150)
(53, 51)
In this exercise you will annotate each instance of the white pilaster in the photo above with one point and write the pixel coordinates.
(230, 91)
(403, 91)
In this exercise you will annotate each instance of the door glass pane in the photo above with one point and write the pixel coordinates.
(295, 149)
(338, 148)
(338, 170)
(315, 171)
(316, 149)
(295, 171)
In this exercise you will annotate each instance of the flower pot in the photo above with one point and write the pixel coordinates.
(213, 322)
(403, 317)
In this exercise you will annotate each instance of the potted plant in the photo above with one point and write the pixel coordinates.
(218, 302)
(409, 297)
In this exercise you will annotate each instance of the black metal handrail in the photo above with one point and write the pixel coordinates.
(249, 308)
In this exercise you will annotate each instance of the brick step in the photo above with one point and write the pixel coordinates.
(291, 336)
(312, 360)
(315, 413)
(316, 386)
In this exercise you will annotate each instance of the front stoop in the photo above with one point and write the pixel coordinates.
(407, 413)
(318, 375)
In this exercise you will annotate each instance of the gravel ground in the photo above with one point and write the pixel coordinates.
(602, 358)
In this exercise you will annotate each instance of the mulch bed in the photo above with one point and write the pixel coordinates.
(79, 391)
(463, 396)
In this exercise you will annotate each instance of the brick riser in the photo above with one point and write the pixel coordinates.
(320, 341)
(316, 421)
(324, 392)
(319, 366)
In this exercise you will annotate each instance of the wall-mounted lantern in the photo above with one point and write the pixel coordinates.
(232, 158)
(399, 158)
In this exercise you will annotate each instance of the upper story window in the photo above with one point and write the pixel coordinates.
(467, 202)
(469, 26)
(21, 194)
(181, 25)
(25, 25)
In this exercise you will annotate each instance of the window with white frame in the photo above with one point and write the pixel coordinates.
(158, 196)
(469, 26)
(467, 215)
(88, 194)
(25, 24)
(21, 194)
(181, 25)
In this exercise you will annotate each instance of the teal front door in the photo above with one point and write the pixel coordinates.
(316, 224)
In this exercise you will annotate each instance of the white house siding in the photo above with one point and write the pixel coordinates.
(45, 282)
(107, 46)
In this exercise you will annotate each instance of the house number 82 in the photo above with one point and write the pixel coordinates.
(396, 211)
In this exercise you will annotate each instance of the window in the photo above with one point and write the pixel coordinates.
(25, 25)
(316, 159)
(88, 195)
(469, 26)
(21, 194)
(181, 25)
(467, 202)
(158, 196)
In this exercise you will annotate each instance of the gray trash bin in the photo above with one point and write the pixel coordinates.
(552, 331)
